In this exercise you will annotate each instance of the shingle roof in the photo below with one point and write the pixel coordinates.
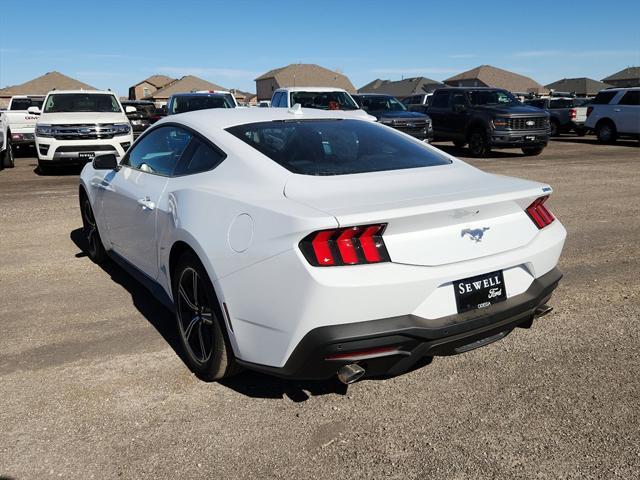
(185, 84)
(580, 86)
(629, 73)
(499, 78)
(44, 84)
(308, 75)
(157, 81)
(401, 88)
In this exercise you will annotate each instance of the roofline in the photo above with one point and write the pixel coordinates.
(312, 89)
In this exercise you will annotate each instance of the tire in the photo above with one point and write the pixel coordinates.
(606, 132)
(532, 151)
(554, 128)
(478, 145)
(581, 131)
(459, 143)
(8, 159)
(44, 169)
(199, 321)
(95, 249)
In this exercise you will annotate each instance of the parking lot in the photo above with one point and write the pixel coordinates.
(93, 385)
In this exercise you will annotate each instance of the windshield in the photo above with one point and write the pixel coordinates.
(336, 147)
(491, 97)
(185, 103)
(25, 103)
(324, 100)
(382, 104)
(81, 102)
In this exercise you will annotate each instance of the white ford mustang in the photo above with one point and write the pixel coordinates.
(307, 244)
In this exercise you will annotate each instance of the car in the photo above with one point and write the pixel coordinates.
(308, 244)
(22, 114)
(76, 124)
(389, 111)
(188, 102)
(486, 118)
(614, 113)
(418, 103)
(227, 94)
(6, 148)
(565, 114)
(140, 116)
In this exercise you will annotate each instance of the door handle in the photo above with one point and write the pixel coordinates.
(617, 109)
(146, 203)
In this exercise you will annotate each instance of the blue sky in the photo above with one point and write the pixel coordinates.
(230, 43)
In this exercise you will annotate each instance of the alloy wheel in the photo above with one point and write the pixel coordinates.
(90, 228)
(195, 316)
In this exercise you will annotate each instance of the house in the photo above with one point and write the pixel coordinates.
(300, 75)
(149, 85)
(489, 76)
(402, 88)
(629, 77)
(581, 87)
(188, 83)
(41, 86)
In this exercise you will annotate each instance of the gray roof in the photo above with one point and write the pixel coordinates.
(498, 78)
(44, 84)
(580, 86)
(401, 88)
(308, 75)
(185, 84)
(629, 73)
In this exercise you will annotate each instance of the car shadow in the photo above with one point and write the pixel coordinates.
(249, 383)
(594, 141)
(464, 152)
(58, 171)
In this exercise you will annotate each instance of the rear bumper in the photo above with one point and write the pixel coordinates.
(409, 338)
(23, 138)
(519, 139)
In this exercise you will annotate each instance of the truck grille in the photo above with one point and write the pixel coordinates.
(527, 123)
(88, 131)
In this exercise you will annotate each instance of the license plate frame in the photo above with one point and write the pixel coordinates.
(87, 155)
(529, 138)
(480, 291)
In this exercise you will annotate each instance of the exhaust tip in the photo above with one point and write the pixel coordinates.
(542, 310)
(350, 373)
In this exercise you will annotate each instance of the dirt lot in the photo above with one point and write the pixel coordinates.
(91, 385)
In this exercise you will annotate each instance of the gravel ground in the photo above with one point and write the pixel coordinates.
(91, 385)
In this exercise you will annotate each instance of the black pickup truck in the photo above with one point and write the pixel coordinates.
(486, 118)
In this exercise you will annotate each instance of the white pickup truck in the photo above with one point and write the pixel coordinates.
(75, 125)
(22, 115)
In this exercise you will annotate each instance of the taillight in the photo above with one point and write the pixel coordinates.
(540, 215)
(573, 113)
(345, 246)
(589, 110)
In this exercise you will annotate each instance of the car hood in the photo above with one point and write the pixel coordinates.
(382, 115)
(81, 117)
(515, 110)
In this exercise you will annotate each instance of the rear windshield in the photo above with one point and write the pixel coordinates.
(375, 103)
(25, 103)
(336, 147)
(81, 102)
(324, 100)
(562, 103)
(199, 102)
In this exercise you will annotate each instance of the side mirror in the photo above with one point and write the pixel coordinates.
(130, 109)
(106, 161)
(459, 108)
(33, 110)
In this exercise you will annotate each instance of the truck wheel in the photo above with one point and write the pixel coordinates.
(43, 169)
(459, 143)
(532, 151)
(606, 132)
(554, 128)
(8, 160)
(478, 145)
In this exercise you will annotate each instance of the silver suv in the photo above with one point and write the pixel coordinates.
(614, 113)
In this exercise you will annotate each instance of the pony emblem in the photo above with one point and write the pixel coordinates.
(475, 234)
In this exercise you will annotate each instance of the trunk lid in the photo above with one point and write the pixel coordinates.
(435, 215)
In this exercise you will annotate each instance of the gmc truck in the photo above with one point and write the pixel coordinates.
(22, 114)
(487, 118)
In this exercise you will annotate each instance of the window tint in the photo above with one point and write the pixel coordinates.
(632, 97)
(275, 102)
(602, 98)
(440, 100)
(81, 102)
(562, 103)
(458, 99)
(159, 151)
(26, 103)
(336, 147)
(200, 158)
(536, 103)
(324, 100)
(189, 103)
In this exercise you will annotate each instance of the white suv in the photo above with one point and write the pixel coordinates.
(322, 98)
(75, 125)
(614, 113)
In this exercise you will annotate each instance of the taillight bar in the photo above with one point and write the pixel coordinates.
(357, 245)
(539, 214)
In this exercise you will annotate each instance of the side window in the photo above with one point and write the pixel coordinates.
(409, 100)
(458, 99)
(604, 97)
(276, 99)
(159, 151)
(440, 100)
(201, 157)
(632, 97)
